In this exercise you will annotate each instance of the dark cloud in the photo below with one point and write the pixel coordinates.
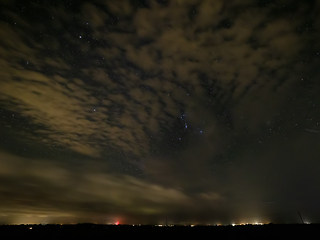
(179, 101)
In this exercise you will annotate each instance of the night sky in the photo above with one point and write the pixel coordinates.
(141, 111)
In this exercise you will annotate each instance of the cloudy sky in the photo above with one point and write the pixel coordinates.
(141, 111)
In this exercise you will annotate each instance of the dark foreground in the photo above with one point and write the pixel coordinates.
(92, 231)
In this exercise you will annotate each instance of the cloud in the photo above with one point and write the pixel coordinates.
(43, 187)
(94, 16)
(162, 62)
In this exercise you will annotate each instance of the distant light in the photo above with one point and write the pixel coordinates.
(233, 224)
(200, 131)
(191, 225)
(79, 36)
(30, 228)
(117, 223)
